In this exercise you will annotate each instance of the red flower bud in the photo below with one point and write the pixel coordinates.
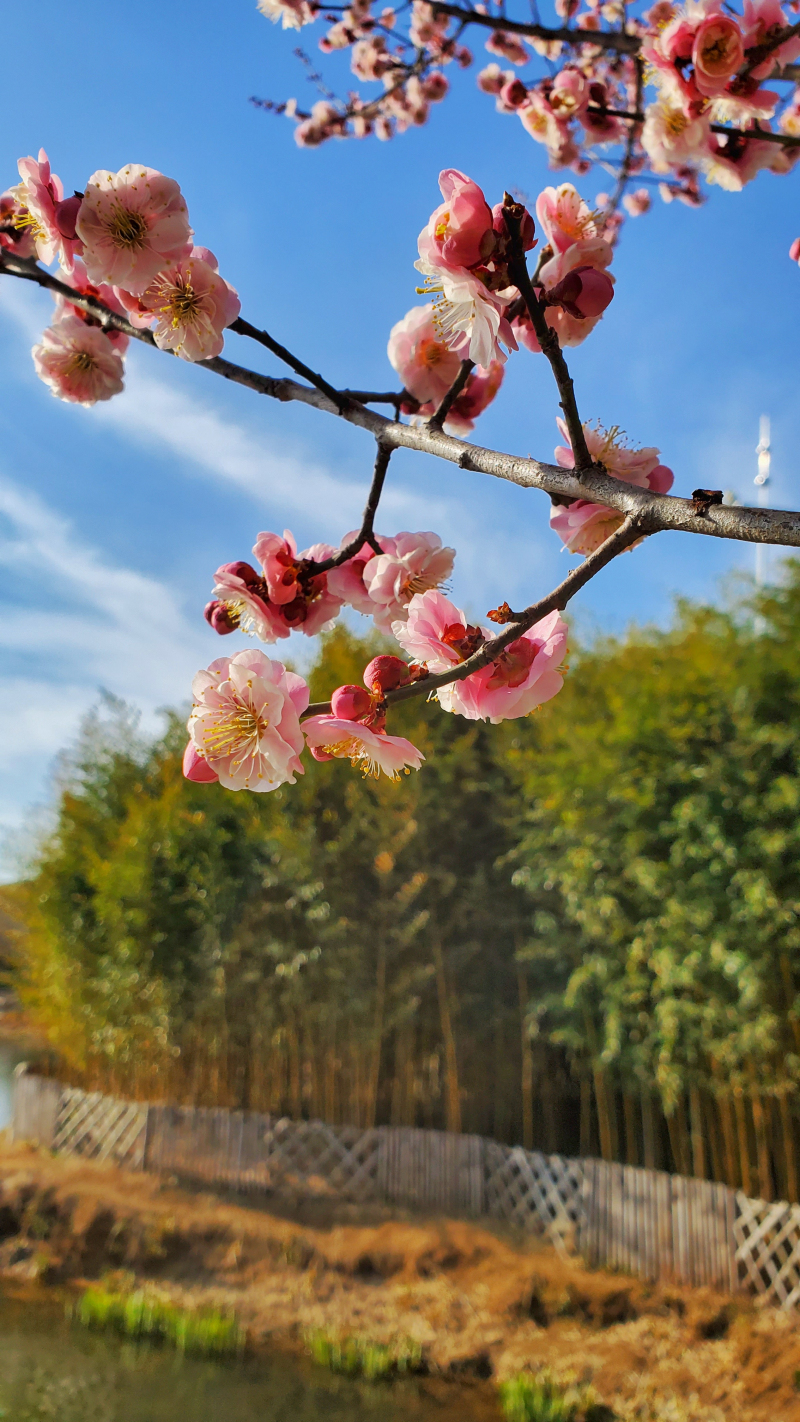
(584, 292)
(241, 570)
(384, 674)
(351, 703)
(220, 617)
(527, 230)
(196, 768)
(67, 215)
(514, 94)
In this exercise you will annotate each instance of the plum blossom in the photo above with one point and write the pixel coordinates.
(16, 234)
(732, 162)
(292, 13)
(428, 368)
(192, 305)
(717, 53)
(414, 563)
(574, 280)
(133, 224)
(333, 737)
(50, 216)
(638, 203)
(79, 362)
(670, 136)
(459, 232)
(285, 595)
(764, 20)
(508, 46)
(565, 217)
(583, 525)
(79, 281)
(524, 675)
(794, 251)
(245, 723)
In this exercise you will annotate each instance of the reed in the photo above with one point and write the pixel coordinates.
(544, 1398)
(361, 1357)
(141, 1313)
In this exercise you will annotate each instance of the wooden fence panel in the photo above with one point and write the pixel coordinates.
(34, 1107)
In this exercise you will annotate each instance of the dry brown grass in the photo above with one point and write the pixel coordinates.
(481, 1302)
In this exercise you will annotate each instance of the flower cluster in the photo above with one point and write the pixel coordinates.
(692, 68)
(288, 592)
(582, 525)
(125, 241)
(574, 280)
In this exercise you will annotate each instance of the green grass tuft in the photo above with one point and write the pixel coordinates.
(544, 1398)
(360, 1357)
(141, 1313)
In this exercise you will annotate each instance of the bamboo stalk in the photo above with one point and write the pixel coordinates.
(527, 1063)
(788, 1136)
(631, 1146)
(698, 1145)
(586, 1117)
(744, 1143)
(648, 1130)
(452, 1092)
(603, 1115)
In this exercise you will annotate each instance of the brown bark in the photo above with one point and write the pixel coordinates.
(788, 1137)
(698, 1144)
(648, 1131)
(452, 1094)
(527, 1063)
(744, 1142)
(631, 1144)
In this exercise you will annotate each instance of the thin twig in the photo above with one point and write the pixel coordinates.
(365, 533)
(437, 420)
(630, 145)
(787, 140)
(243, 328)
(546, 336)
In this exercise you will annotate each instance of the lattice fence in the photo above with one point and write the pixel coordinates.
(644, 1222)
(767, 1240)
(540, 1192)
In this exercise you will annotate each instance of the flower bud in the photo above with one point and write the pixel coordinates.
(514, 94)
(196, 768)
(584, 292)
(320, 754)
(220, 617)
(67, 215)
(794, 250)
(527, 228)
(384, 674)
(351, 703)
(241, 570)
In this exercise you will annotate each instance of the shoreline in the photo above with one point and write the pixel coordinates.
(482, 1303)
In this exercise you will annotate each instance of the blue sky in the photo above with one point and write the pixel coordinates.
(112, 520)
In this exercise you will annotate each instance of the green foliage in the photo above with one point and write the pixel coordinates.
(141, 1313)
(360, 1357)
(542, 1397)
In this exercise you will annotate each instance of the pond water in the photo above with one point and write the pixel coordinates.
(51, 1369)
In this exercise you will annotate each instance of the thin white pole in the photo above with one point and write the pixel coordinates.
(761, 482)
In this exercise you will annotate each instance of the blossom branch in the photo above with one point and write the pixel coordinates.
(661, 511)
(546, 336)
(760, 52)
(437, 420)
(617, 40)
(243, 328)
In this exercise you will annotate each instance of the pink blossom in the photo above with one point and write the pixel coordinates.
(293, 13)
(764, 20)
(49, 215)
(524, 675)
(241, 601)
(571, 326)
(569, 94)
(192, 305)
(417, 562)
(352, 703)
(583, 525)
(16, 234)
(731, 163)
(79, 281)
(333, 737)
(347, 581)
(492, 79)
(370, 58)
(794, 250)
(459, 233)
(78, 362)
(133, 224)
(301, 599)
(508, 46)
(565, 217)
(638, 203)
(435, 86)
(584, 292)
(196, 767)
(245, 722)
(717, 53)
(513, 95)
(428, 367)
(670, 136)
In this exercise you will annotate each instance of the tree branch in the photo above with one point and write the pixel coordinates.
(365, 533)
(546, 336)
(437, 420)
(243, 328)
(604, 39)
(660, 511)
(760, 52)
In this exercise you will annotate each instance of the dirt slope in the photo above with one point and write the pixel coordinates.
(481, 1302)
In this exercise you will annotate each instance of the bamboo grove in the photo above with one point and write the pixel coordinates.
(578, 931)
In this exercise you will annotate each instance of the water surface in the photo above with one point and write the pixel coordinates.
(51, 1369)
